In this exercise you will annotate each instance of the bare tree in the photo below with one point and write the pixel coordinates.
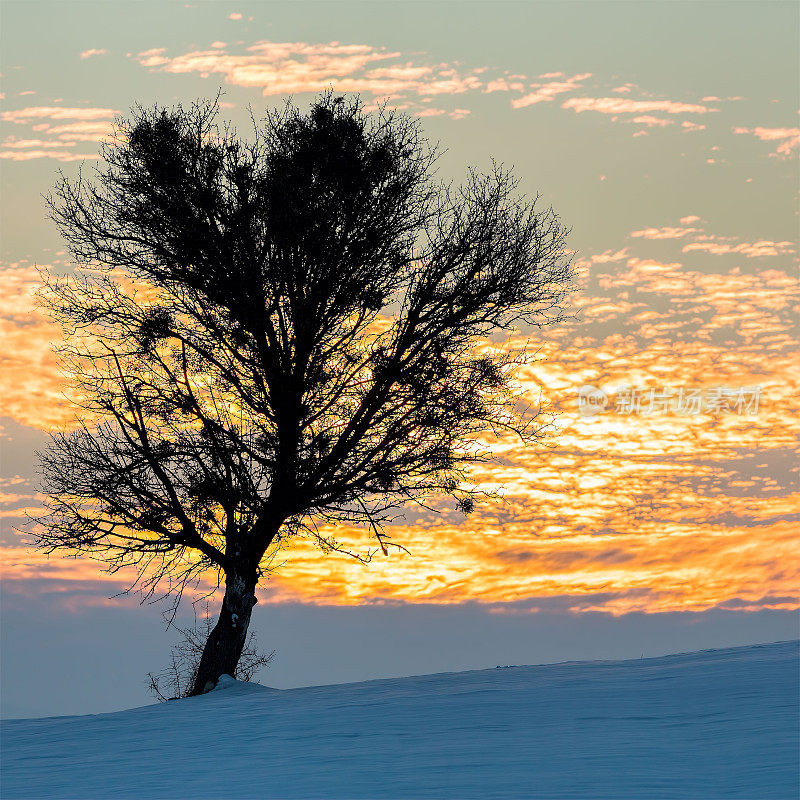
(278, 333)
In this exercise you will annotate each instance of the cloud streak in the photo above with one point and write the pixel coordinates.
(26, 115)
(67, 126)
(759, 249)
(620, 105)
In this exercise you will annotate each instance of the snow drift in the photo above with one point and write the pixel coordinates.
(721, 723)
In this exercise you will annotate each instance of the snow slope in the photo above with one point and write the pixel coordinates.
(719, 723)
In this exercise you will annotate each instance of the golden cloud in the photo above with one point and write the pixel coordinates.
(31, 386)
(621, 512)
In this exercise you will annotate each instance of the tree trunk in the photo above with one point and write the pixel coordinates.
(224, 646)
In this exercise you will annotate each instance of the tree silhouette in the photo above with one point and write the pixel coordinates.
(278, 333)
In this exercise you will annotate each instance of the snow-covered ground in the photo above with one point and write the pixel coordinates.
(720, 723)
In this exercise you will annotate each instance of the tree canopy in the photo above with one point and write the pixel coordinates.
(276, 333)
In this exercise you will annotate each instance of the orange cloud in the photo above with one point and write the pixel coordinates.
(26, 144)
(763, 247)
(665, 233)
(651, 121)
(291, 67)
(788, 138)
(81, 131)
(31, 386)
(546, 92)
(623, 512)
(619, 105)
(26, 115)
(77, 125)
(610, 256)
(93, 52)
(28, 155)
(503, 85)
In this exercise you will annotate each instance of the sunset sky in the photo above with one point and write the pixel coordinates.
(665, 135)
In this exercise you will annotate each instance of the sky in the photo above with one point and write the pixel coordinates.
(661, 512)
